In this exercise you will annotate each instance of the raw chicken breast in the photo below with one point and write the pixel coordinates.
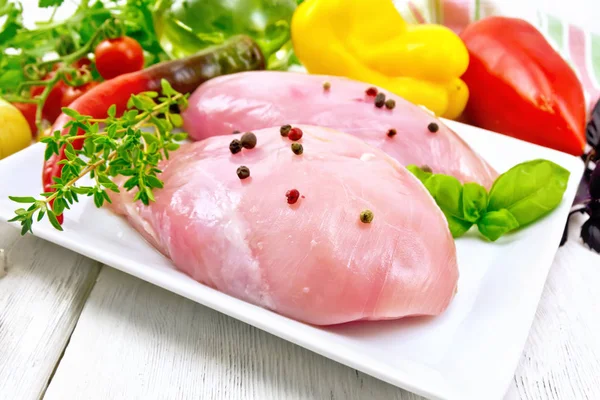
(254, 100)
(314, 260)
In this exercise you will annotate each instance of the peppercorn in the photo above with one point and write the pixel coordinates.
(379, 100)
(235, 146)
(390, 104)
(285, 129)
(326, 86)
(292, 196)
(426, 168)
(295, 134)
(236, 132)
(366, 216)
(391, 132)
(248, 140)
(297, 148)
(243, 172)
(372, 91)
(433, 127)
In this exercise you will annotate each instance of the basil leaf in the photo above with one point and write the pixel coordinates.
(457, 226)
(494, 224)
(474, 201)
(447, 193)
(421, 175)
(529, 190)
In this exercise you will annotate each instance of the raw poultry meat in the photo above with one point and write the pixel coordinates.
(314, 260)
(254, 100)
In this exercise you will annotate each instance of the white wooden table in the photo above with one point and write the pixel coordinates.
(73, 329)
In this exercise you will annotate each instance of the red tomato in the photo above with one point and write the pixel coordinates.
(83, 62)
(119, 56)
(52, 106)
(28, 111)
(72, 93)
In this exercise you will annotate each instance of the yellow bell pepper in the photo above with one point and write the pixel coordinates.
(369, 41)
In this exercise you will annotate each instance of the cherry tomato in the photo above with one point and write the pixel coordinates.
(28, 111)
(52, 106)
(72, 93)
(119, 56)
(83, 62)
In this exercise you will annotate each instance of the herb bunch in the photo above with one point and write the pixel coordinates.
(128, 146)
(520, 196)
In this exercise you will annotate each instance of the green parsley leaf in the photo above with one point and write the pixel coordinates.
(50, 3)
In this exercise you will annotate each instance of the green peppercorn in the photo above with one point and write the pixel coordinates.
(366, 216)
(285, 129)
(297, 148)
(235, 146)
(243, 172)
(248, 140)
(379, 100)
(390, 104)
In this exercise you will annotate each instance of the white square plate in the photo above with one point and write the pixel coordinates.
(469, 352)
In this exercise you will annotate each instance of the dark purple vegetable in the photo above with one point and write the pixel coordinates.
(587, 200)
(593, 127)
(590, 233)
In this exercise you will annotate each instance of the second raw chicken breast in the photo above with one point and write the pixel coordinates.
(254, 100)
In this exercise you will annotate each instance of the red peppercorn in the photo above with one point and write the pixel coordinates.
(372, 91)
(292, 196)
(295, 134)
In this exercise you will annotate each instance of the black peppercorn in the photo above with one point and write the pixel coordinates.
(235, 146)
(285, 129)
(243, 172)
(248, 140)
(433, 127)
(379, 100)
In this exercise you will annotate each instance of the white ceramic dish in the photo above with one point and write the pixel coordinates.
(469, 352)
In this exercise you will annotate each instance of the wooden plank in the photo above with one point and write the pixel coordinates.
(137, 341)
(41, 297)
(562, 356)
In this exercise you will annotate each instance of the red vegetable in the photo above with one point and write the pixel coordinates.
(521, 87)
(237, 54)
(52, 107)
(28, 111)
(72, 93)
(118, 56)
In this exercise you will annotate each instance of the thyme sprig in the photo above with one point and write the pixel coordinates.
(128, 146)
